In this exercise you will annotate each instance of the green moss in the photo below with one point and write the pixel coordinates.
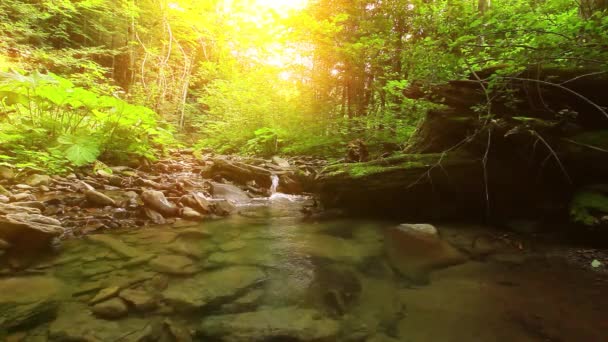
(586, 205)
(398, 162)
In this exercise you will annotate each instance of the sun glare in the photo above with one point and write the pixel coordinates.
(282, 6)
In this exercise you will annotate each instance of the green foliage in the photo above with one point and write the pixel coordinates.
(51, 123)
(587, 206)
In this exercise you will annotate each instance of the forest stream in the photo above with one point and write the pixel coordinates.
(266, 274)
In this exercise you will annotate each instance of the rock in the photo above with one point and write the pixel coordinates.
(191, 214)
(23, 196)
(12, 209)
(6, 173)
(29, 231)
(229, 192)
(198, 201)
(193, 234)
(4, 245)
(75, 323)
(288, 323)
(173, 264)
(238, 172)
(157, 201)
(115, 245)
(141, 300)
(154, 216)
(223, 207)
(26, 301)
(31, 204)
(281, 162)
(212, 287)
(37, 180)
(3, 199)
(96, 198)
(416, 249)
(245, 302)
(111, 309)
(105, 294)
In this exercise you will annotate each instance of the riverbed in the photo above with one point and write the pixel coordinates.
(271, 273)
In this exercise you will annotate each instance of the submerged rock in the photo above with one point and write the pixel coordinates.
(111, 309)
(28, 300)
(115, 245)
(141, 300)
(288, 323)
(212, 287)
(416, 249)
(173, 264)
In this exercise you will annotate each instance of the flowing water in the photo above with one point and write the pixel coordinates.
(268, 274)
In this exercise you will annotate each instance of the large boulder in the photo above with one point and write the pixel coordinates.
(285, 324)
(414, 250)
(27, 229)
(229, 192)
(27, 301)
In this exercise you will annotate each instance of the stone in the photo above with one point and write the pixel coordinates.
(336, 248)
(6, 173)
(192, 234)
(229, 192)
(281, 162)
(212, 287)
(223, 207)
(157, 201)
(29, 231)
(173, 264)
(22, 196)
(75, 323)
(37, 180)
(111, 309)
(154, 216)
(141, 300)
(105, 294)
(198, 201)
(245, 302)
(115, 245)
(96, 198)
(191, 214)
(31, 204)
(287, 323)
(25, 301)
(416, 249)
(4, 245)
(3, 199)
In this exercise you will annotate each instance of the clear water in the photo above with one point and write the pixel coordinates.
(336, 270)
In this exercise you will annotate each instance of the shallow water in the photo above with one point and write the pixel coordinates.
(267, 274)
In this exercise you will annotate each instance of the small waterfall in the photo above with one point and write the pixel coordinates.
(275, 184)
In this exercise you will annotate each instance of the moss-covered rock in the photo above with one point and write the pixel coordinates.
(590, 207)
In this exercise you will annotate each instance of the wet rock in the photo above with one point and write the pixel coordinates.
(212, 287)
(337, 249)
(193, 234)
(223, 207)
(6, 173)
(105, 294)
(173, 264)
(188, 248)
(255, 254)
(26, 301)
(38, 180)
(416, 249)
(96, 198)
(115, 245)
(75, 323)
(245, 302)
(288, 323)
(336, 288)
(154, 216)
(157, 201)
(229, 192)
(4, 199)
(191, 214)
(111, 309)
(4, 245)
(141, 300)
